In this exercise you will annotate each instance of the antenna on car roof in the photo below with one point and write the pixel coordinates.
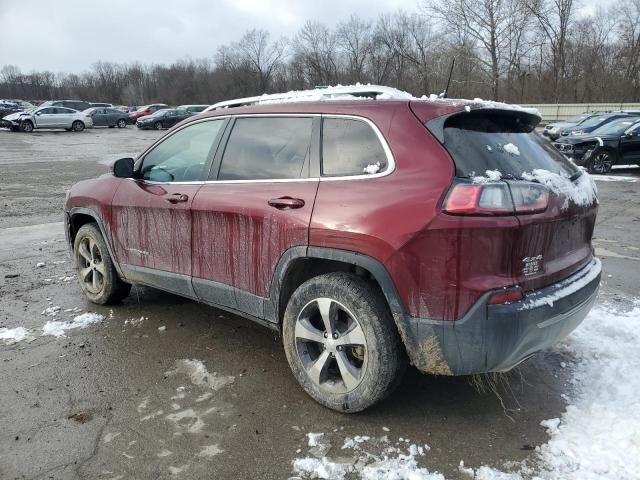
(446, 90)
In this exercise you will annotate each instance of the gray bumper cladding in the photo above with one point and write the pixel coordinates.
(494, 338)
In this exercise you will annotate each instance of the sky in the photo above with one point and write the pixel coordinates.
(71, 35)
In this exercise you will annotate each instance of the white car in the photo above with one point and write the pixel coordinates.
(47, 117)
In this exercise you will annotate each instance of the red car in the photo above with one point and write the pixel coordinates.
(146, 110)
(366, 232)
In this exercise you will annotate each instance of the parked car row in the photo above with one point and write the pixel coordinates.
(616, 141)
(583, 123)
(47, 117)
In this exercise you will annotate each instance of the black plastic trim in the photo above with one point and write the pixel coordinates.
(160, 279)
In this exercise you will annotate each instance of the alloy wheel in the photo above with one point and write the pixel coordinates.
(331, 345)
(601, 163)
(91, 268)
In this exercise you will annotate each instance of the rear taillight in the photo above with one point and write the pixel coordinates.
(496, 198)
(506, 296)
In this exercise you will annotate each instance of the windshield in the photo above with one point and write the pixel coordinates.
(159, 113)
(577, 118)
(593, 121)
(504, 142)
(614, 128)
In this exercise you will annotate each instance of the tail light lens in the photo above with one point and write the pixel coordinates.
(506, 296)
(496, 198)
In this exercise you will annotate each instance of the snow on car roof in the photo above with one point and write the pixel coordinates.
(360, 92)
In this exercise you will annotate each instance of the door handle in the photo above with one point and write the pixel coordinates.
(283, 203)
(177, 198)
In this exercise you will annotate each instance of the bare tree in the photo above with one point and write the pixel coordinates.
(262, 56)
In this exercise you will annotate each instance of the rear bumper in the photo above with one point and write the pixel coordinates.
(494, 338)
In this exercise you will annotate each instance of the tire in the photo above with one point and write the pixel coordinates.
(26, 126)
(352, 376)
(122, 123)
(158, 126)
(77, 126)
(601, 161)
(96, 273)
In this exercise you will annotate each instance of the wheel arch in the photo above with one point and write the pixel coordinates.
(79, 216)
(299, 264)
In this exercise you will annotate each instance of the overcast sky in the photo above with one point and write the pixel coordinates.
(70, 35)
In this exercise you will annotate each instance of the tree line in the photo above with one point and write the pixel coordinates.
(521, 51)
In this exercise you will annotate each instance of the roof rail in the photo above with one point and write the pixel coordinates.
(339, 92)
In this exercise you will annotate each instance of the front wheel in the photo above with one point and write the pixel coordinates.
(158, 126)
(96, 273)
(601, 161)
(122, 123)
(341, 343)
(77, 126)
(26, 126)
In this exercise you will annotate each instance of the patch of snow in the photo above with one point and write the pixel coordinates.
(615, 178)
(198, 374)
(314, 439)
(355, 441)
(9, 336)
(58, 329)
(511, 149)
(467, 108)
(582, 192)
(210, 451)
(162, 328)
(598, 436)
(40, 264)
(490, 176)
(323, 468)
(372, 168)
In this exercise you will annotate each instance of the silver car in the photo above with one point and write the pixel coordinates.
(47, 117)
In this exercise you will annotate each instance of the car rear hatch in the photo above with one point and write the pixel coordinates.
(504, 168)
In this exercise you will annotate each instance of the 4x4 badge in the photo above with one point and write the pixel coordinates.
(531, 265)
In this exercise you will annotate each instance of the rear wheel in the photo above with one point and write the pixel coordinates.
(122, 123)
(601, 161)
(26, 126)
(341, 342)
(158, 126)
(77, 126)
(96, 273)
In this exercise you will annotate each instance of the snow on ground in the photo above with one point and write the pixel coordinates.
(615, 178)
(10, 336)
(597, 437)
(198, 374)
(58, 328)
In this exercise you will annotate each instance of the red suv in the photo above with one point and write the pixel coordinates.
(365, 232)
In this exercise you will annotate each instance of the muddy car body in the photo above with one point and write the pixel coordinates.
(359, 229)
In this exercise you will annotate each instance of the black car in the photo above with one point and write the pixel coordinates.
(166, 118)
(107, 117)
(617, 142)
(589, 125)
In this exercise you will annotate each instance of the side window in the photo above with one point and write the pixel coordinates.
(47, 111)
(350, 147)
(267, 148)
(183, 155)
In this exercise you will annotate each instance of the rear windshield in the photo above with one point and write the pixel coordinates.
(505, 142)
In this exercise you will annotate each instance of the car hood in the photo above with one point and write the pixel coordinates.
(14, 116)
(576, 140)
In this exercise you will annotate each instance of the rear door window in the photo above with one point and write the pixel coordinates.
(267, 148)
(497, 141)
(350, 147)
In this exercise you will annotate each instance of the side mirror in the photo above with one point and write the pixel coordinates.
(628, 135)
(123, 168)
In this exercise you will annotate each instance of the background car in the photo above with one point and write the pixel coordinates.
(48, 117)
(98, 104)
(615, 142)
(78, 105)
(590, 124)
(7, 107)
(193, 108)
(163, 119)
(107, 117)
(554, 130)
(146, 110)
